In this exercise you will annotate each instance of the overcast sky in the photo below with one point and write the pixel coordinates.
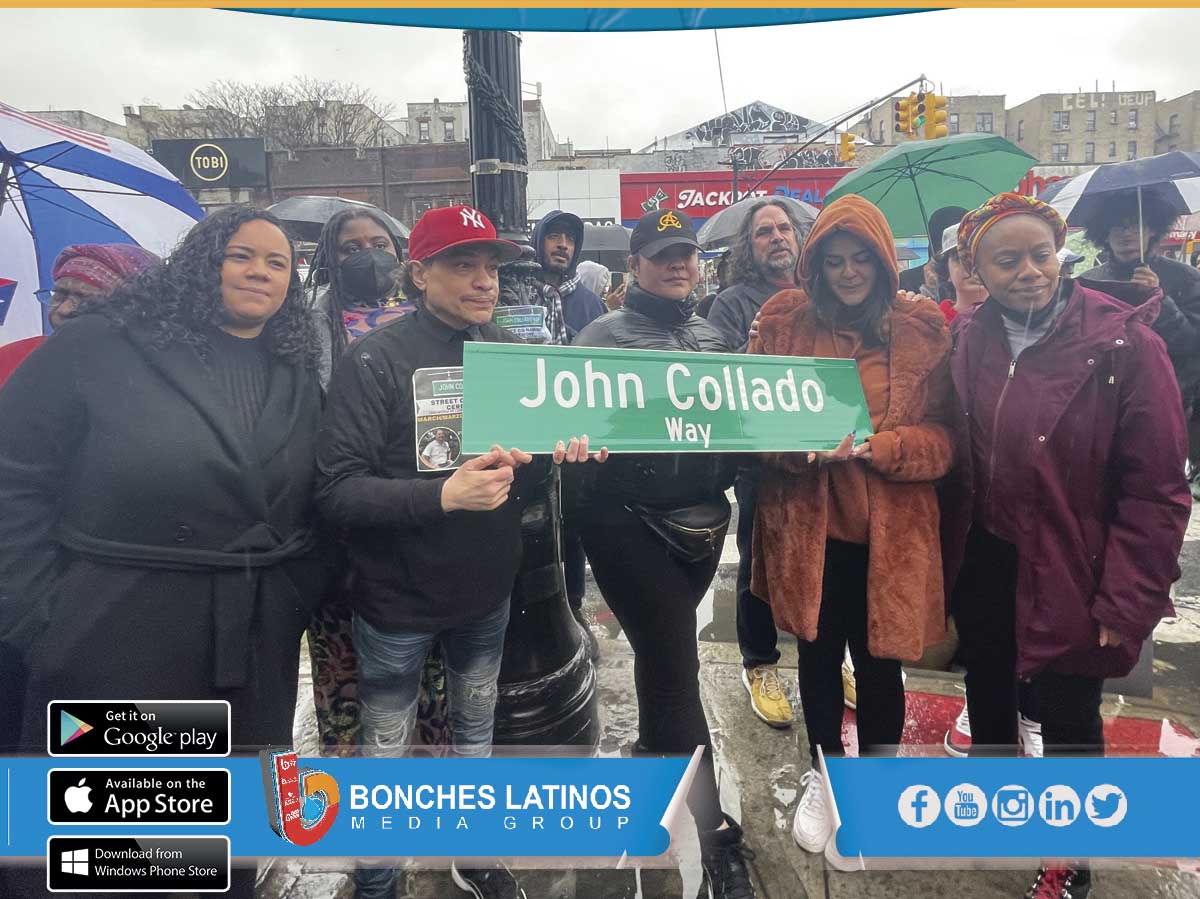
(621, 88)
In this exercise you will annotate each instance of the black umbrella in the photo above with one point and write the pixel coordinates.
(721, 228)
(599, 238)
(306, 216)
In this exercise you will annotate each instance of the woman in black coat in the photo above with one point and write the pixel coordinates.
(156, 469)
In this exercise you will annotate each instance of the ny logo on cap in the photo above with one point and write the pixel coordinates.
(669, 220)
(472, 217)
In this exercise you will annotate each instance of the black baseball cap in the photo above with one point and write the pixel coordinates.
(655, 231)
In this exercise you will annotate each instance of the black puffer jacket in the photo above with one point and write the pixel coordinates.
(1178, 324)
(665, 480)
(646, 322)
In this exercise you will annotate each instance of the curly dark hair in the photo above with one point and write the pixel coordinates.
(1122, 208)
(325, 269)
(179, 300)
(744, 268)
(869, 318)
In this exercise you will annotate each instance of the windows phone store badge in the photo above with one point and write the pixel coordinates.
(137, 864)
(155, 728)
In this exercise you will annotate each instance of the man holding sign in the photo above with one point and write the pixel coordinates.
(415, 534)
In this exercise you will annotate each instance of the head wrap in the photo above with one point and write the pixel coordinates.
(104, 266)
(977, 222)
(595, 277)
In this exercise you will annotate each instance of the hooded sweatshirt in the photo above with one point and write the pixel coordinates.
(580, 305)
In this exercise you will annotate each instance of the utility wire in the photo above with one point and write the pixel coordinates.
(720, 71)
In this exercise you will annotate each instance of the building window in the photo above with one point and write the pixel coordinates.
(983, 122)
(420, 207)
(1060, 152)
(448, 130)
(423, 131)
(1060, 120)
(1021, 130)
(1131, 152)
(1133, 120)
(1173, 124)
(1091, 120)
(1112, 149)
(952, 123)
(882, 123)
(1113, 117)
(1089, 152)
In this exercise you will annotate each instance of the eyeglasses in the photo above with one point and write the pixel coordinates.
(58, 295)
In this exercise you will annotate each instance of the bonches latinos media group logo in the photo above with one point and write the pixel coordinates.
(302, 803)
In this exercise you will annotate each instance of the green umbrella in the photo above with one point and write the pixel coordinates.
(912, 180)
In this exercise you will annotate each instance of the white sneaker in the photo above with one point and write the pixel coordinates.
(812, 828)
(1029, 736)
(957, 741)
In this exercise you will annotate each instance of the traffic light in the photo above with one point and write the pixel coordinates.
(918, 121)
(846, 151)
(904, 108)
(935, 117)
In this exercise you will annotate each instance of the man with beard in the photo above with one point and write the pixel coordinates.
(550, 280)
(765, 252)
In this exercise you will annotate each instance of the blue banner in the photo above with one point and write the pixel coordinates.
(281, 805)
(1016, 808)
(584, 19)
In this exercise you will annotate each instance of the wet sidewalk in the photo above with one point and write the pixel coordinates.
(761, 768)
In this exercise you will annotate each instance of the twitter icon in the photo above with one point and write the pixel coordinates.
(1106, 805)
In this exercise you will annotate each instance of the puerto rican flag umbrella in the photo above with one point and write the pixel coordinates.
(61, 186)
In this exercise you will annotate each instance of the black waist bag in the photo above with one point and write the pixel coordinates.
(692, 533)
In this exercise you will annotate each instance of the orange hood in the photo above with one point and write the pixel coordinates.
(859, 217)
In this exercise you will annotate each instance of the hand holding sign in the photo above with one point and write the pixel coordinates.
(577, 451)
(478, 486)
(844, 452)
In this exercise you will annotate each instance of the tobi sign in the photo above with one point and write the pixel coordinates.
(652, 401)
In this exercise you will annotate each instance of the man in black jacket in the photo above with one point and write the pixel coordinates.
(1133, 255)
(415, 535)
(765, 252)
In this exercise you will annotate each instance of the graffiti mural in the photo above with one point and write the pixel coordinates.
(767, 156)
(753, 118)
(675, 162)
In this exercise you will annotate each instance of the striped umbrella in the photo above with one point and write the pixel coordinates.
(61, 186)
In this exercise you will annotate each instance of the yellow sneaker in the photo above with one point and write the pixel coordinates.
(849, 690)
(767, 698)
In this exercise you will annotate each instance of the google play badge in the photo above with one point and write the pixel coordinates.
(70, 728)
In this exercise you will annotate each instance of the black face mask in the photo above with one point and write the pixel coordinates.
(369, 275)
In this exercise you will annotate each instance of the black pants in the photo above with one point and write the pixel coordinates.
(654, 596)
(984, 604)
(757, 636)
(574, 565)
(878, 682)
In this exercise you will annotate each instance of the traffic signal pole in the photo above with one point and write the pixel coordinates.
(847, 117)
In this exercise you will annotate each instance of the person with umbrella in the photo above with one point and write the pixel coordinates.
(1131, 238)
(80, 272)
(1063, 522)
(846, 546)
(765, 250)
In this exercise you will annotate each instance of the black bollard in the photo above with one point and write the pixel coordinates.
(547, 681)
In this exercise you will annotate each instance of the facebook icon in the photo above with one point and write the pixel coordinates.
(919, 806)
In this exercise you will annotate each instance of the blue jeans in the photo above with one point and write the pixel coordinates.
(389, 678)
(390, 664)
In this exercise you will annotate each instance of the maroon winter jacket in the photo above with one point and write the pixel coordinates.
(1086, 453)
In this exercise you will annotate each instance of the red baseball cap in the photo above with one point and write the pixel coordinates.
(441, 229)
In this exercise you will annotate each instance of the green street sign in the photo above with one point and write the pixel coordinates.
(650, 402)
